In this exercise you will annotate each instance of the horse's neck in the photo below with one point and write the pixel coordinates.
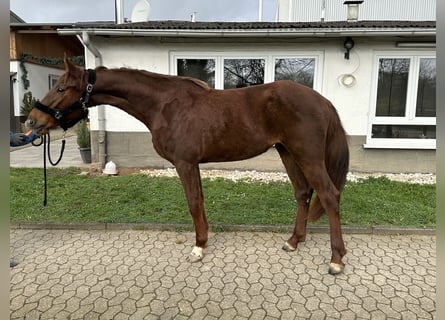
(135, 92)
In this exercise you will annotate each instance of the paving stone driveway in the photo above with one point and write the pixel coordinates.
(123, 274)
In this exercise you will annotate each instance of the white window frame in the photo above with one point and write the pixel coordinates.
(52, 80)
(410, 116)
(268, 56)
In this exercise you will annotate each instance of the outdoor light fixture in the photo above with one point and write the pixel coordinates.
(353, 9)
(348, 44)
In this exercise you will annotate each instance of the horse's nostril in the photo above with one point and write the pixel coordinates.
(30, 123)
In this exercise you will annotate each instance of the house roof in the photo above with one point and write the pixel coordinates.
(237, 29)
(14, 18)
(188, 25)
(170, 28)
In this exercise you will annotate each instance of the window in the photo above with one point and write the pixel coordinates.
(426, 88)
(239, 73)
(297, 69)
(52, 80)
(226, 70)
(203, 69)
(403, 113)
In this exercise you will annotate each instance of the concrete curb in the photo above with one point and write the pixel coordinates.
(218, 228)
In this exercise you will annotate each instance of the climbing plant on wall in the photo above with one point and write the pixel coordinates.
(28, 103)
(43, 61)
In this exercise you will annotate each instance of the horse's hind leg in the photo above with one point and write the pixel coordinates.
(303, 194)
(191, 182)
(318, 177)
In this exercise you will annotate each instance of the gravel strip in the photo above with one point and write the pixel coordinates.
(252, 175)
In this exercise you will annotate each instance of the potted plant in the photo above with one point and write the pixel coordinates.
(84, 141)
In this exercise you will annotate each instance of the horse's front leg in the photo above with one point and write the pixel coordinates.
(191, 182)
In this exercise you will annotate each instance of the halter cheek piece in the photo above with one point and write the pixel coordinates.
(60, 115)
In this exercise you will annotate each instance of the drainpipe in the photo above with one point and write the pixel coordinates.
(102, 136)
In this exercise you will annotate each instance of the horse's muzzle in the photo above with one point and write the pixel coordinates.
(29, 123)
(32, 124)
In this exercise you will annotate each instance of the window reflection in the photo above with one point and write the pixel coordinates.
(404, 131)
(392, 87)
(296, 69)
(240, 73)
(426, 89)
(203, 69)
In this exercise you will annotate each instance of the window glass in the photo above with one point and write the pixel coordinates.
(404, 131)
(297, 69)
(240, 73)
(426, 88)
(52, 80)
(392, 87)
(203, 69)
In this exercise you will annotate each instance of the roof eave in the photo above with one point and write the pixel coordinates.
(307, 32)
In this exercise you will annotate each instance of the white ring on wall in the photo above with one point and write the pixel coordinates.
(347, 80)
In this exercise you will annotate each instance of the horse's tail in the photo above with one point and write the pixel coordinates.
(336, 159)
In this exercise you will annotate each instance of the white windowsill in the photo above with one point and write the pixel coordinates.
(427, 144)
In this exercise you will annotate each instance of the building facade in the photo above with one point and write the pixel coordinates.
(35, 62)
(374, 10)
(380, 75)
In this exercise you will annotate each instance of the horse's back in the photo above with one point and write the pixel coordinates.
(271, 108)
(236, 124)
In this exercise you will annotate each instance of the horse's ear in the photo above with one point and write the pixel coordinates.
(69, 66)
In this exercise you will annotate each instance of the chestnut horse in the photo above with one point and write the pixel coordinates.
(192, 123)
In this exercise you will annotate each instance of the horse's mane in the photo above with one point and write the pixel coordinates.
(194, 81)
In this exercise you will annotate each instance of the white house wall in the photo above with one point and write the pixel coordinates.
(14, 67)
(137, 54)
(38, 77)
(126, 137)
(352, 103)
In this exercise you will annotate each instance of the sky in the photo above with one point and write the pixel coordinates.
(56, 11)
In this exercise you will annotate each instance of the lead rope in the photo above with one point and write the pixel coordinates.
(45, 146)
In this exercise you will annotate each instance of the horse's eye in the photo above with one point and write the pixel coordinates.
(60, 90)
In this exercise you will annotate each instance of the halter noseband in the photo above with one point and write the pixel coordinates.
(60, 115)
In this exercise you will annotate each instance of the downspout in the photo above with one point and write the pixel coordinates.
(102, 134)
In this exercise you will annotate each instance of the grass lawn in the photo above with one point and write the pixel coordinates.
(139, 198)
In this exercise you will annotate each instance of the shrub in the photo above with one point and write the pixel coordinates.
(83, 135)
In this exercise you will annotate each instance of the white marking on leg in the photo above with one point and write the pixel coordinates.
(197, 254)
(335, 268)
(288, 247)
(198, 251)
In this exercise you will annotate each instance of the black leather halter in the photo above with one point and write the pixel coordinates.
(61, 115)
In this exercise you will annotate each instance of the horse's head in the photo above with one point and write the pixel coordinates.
(65, 104)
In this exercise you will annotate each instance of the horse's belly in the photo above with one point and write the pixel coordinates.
(233, 151)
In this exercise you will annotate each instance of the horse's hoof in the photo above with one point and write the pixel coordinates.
(196, 255)
(287, 247)
(335, 268)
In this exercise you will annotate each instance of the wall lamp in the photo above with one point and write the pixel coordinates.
(348, 44)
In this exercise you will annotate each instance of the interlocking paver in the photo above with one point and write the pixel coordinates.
(124, 274)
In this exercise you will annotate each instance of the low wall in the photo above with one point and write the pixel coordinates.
(135, 149)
